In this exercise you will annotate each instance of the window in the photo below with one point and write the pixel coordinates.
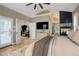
(5, 33)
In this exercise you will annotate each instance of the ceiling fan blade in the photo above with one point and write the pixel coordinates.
(35, 6)
(47, 3)
(40, 5)
(29, 4)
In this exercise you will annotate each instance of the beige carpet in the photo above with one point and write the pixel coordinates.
(9, 49)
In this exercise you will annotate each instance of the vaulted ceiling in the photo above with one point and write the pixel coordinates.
(30, 12)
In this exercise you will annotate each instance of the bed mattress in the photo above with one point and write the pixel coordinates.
(62, 46)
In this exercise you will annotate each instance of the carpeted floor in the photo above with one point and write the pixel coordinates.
(25, 42)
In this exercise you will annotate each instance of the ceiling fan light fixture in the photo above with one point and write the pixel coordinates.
(40, 4)
(35, 6)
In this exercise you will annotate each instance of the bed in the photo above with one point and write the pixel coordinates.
(58, 46)
(62, 46)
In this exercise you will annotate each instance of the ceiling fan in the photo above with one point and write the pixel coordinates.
(40, 4)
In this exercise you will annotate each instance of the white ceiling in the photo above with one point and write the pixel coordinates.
(30, 12)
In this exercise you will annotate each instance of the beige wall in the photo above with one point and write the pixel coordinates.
(53, 20)
(44, 18)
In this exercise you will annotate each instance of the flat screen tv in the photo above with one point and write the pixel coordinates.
(42, 25)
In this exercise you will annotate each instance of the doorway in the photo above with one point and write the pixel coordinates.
(24, 31)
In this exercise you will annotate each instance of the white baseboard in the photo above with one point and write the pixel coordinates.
(4, 45)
